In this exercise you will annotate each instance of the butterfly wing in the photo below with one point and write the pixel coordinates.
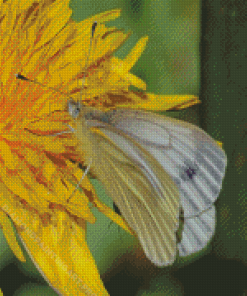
(191, 158)
(145, 194)
(197, 232)
(189, 155)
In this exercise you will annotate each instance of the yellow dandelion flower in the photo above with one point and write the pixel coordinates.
(36, 173)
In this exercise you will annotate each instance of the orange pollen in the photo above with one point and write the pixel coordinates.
(56, 206)
(27, 207)
(45, 218)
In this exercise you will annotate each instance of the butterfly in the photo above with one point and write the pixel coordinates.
(154, 167)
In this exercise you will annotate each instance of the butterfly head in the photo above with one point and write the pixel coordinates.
(74, 108)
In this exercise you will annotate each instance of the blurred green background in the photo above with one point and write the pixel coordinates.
(195, 47)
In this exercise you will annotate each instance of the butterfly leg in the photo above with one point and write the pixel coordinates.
(83, 176)
(70, 131)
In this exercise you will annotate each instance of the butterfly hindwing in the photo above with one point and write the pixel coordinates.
(188, 154)
(197, 232)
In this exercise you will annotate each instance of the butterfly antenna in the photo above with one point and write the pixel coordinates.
(82, 86)
(22, 77)
(71, 130)
(88, 56)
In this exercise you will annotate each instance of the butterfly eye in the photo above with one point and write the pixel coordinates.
(74, 109)
(76, 112)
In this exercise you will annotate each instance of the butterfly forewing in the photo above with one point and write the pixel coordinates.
(145, 194)
(188, 154)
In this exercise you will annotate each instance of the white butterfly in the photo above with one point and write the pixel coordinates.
(153, 167)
